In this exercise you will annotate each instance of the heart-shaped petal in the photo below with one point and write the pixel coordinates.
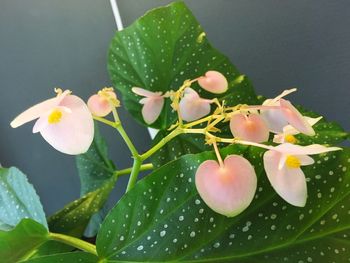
(214, 82)
(251, 128)
(192, 106)
(227, 189)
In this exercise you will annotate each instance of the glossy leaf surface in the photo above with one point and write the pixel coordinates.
(164, 219)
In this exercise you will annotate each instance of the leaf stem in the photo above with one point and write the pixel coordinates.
(144, 167)
(75, 242)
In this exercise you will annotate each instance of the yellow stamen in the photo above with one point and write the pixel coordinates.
(292, 162)
(290, 138)
(55, 116)
(109, 95)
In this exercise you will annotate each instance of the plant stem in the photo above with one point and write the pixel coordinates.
(144, 167)
(160, 144)
(134, 173)
(105, 121)
(124, 135)
(75, 242)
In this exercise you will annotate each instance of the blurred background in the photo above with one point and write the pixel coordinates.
(44, 44)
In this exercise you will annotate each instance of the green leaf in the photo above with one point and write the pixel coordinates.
(74, 217)
(163, 219)
(18, 199)
(65, 257)
(160, 51)
(326, 132)
(21, 240)
(94, 170)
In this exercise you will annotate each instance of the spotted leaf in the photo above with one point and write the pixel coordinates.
(160, 51)
(18, 199)
(163, 218)
(65, 257)
(94, 170)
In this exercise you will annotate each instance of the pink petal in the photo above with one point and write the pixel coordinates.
(293, 149)
(295, 119)
(152, 108)
(214, 82)
(37, 110)
(42, 122)
(305, 160)
(75, 131)
(274, 118)
(251, 128)
(99, 106)
(228, 190)
(192, 107)
(289, 129)
(289, 183)
(144, 92)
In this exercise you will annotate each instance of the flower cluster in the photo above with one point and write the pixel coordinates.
(227, 186)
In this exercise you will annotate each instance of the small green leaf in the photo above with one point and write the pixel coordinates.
(18, 199)
(163, 219)
(65, 257)
(19, 242)
(74, 217)
(160, 51)
(94, 170)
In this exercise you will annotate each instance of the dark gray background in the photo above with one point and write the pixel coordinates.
(279, 44)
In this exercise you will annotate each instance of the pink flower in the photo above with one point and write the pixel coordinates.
(282, 165)
(192, 107)
(214, 82)
(65, 122)
(152, 104)
(284, 113)
(227, 189)
(289, 131)
(249, 127)
(101, 104)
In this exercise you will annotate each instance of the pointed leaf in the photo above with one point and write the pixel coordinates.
(160, 51)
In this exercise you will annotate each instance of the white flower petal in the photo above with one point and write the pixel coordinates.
(37, 110)
(293, 149)
(289, 183)
(274, 118)
(152, 107)
(305, 160)
(144, 92)
(74, 133)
